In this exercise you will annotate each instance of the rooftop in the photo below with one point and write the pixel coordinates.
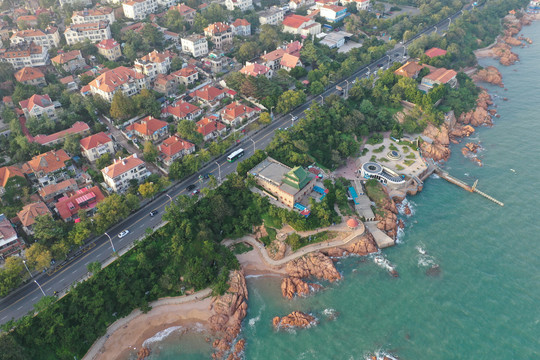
(67, 57)
(85, 198)
(121, 166)
(54, 188)
(36, 100)
(8, 172)
(433, 52)
(147, 126)
(29, 213)
(28, 74)
(76, 128)
(95, 140)
(47, 162)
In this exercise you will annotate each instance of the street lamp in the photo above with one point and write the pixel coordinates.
(112, 245)
(39, 286)
(322, 99)
(449, 21)
(292, 120)
(169, 196)
(346, 89)
(253, 141)
(219, 171)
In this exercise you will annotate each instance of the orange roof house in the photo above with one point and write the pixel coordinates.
(50, 191)
(209, 127)
(234, 113)
(30, 212)
(79, 127)
(118, 175)
(126, 79)
(174, 148)
(47, 163)
(66, 57)
(433, 52)
(411, 69)
(289, 62)
(182, 110)
(30, 76)
(256, 70)
(208, 94)
(6, 173)
(438, 76)
(92, 141)
(148, 128)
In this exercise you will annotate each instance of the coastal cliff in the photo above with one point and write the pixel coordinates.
(363, 246)
(229, 311)
(490, 75)
(296, 319)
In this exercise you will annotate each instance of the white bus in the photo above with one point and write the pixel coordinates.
(235, 155)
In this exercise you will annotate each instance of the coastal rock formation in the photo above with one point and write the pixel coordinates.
(277, 249)
(143, 353)
(438, 149)
(462, 131)
(387, 221)
(470, 148)
(363, 246)
(296, 319)
(439, 135)
(490, 75)
(229, 311)
(434, 151)
(503, 52)
(480, 115)
(311, 265)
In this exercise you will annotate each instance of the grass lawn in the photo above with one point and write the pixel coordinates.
(375, 191)
(411, 156)
(379, 149)
(405, 149)
(241, 248)
(399, 167)
(409, 162)
(273, 222)
(373, 158)
(383, 160)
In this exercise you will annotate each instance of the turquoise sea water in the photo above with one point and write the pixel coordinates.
(484, 304)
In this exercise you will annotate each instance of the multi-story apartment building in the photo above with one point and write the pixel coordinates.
(195, 44)
(121, 78)
(187, 76)
(210, 128)
(118, 175)
(301, 25)
(93, 15)
(94, 146)
(37, 106)
(110, 49)
(216, 62)
(186, 12)
(295, 4)
(241, 27)
(272, 16)
(334, 13)
(95, 32)
(181, 110)
(234, 113)
(48, 38)
(25, 54)
(220, 34)
(139, 9)
(239, 4)
(31, 76)
(153, 64)
(69, 61)
(360, 4)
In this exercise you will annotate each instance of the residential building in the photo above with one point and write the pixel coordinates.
(255, 70)
(139, 9)
(48, 38)
(220, 34)
(195, 44)
(8, 101)
(241, 27)
(121, 78)
(50, 192)
(321, 3)
(78, 128)
(411, 69)
(153, 64)
(28, 21)
(301, 25)
(6, 173)
(272, 16)
(47, 168)
(216, 62)
(9, 240)
(94, 146)
(437, 77)
(110, 49)
(70, 83)
(166, 84)
(289, 62)
(174, 147)
(182, 110)
(69, 61)
(210, 128)
(104, 13)
(360, 4)
(289, 186)
(95, 32)
(25, 54)
(31, 76)
(335, 39)
(148, 129)
(37, 106)
(272, 59)
(118, 174)
(434, 52)
(235, 113)
(186, 12)
(170, 35)
(187, 76)
(29, 213)
(209, 95)
(334, 13)
(243, 5)
(85, 199)
(295, 4)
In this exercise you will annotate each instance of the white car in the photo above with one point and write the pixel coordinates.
(123, 233)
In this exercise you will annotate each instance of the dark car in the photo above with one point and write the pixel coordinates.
(380, 65)
(206, 176)
(153, 213)
(191, 187)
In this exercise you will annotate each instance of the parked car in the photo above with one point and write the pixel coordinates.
(195, 192)
(123, 233)
(207, 176)
(153, 212)
(191, 187)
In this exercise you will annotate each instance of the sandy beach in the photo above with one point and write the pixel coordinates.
(253, 264)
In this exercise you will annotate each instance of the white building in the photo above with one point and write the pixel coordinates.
(121, 78)
(301, 25)
(241, 27)
(360, 4)
(93, 146)
(239, 4)
(272, 16)
(153, 64)
(139, 9)
(25, 55)
(95, 32)
(295, 4)
(118, 174)
(48, 38)
(37, 106)
(195, 44)
(93, 15)
(220, 34)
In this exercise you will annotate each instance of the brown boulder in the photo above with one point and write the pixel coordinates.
(363, 246)
(277, 249)
(296, 319)
(434, 151)
(292, 286)
(490, 75)
(314, 264)
(143, 353)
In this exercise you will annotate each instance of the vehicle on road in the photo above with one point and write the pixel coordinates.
(235, 155)
(191, 187)
(206, 176)
(196, 192)
(380, 65)
(153, 212)
(123, 233)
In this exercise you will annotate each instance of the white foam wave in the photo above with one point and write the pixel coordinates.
(161, 335)
(383, 263)
(380, 355)
(434, 176)
(421, 250)
(400, 235)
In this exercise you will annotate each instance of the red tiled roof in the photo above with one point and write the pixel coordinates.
(77, 128)
(55, 188)
(173, 145)
(92, 141)
(147, 126)
(185, 72)
(289, 61)
(217, 28)
(29, 213)
(8, 172)
(107, 44)
(235, 109)
(208, 125)
(111, 79)
(255, 69)
(85, 198)
(208, 93)
(181, 109)
(295, 21)
(335, 8)
(274, 55)
(294, 48)
(183, 9)
(433, 52)
(36, 100)
(441, 75)
(66, 57)
(47, 162)
(66, 80)
(240, 22)
(121, 166)
(28, 73)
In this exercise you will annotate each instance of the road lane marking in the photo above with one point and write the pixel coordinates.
(19, 308)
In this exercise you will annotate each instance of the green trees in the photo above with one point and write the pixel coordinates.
(247, 51)
(150, 152)
(110, 210)
(289, 100)
(10, 276)
(148, 189)
(38, 256)
(122, 106)
(188, 130)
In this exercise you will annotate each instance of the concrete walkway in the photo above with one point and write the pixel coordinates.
(98, 345)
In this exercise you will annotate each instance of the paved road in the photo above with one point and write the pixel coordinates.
(21, 301)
